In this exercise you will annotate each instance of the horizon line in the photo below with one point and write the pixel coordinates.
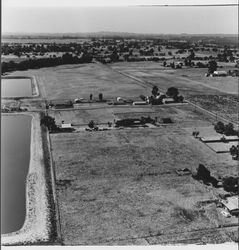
(98, 32)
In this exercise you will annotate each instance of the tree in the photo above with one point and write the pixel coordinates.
(192, 55)
(172, 92)
(144, 98)
(67, 58)
(172, 65)
(86, 58)
(49, 122)
(230, 184)
(180, 98)
(203, 173)
(114, 56)
(212, 66)
(100, 96)
(91, 124)
(234, 151)
(220, 127)
(155, 91)
(229, 129)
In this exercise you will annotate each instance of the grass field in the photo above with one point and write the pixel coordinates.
(121, 185)
(180, 115)
(189, 80)
(72, 81)
(224, 106)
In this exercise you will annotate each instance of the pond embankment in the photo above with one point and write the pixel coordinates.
(39, 226)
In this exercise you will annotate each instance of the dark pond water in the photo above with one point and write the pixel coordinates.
(15, 158)
(16, 87)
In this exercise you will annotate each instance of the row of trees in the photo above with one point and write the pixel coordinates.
(18, 49)
(45, 62)
(227, 129)
(230, 183)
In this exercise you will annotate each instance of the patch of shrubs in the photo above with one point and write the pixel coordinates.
(204, 175)
(228, 129)
(230, 184)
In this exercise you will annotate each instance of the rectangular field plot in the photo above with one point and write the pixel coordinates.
(79, 81)
(221, 147)
(188, 80)
(121, 186)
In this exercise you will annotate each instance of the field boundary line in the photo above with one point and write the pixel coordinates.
(53, 180)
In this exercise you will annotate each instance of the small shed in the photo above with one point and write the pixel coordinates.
(231, 203)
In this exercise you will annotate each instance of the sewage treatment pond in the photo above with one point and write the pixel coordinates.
(16, 87)
(15, 158)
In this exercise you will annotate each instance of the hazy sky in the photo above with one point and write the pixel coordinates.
(47, 16)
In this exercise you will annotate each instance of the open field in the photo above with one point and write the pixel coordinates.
(72, 81)
(225, 106)
(180, 115)
(188, 80)
(121, 185)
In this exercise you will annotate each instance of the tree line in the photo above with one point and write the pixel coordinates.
(46, 62)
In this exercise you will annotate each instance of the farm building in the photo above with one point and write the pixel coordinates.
(168, 100)
(211, 139)
(61, 104)
(66, 125)
(140, 103)
(219, 73)
(232, 205)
